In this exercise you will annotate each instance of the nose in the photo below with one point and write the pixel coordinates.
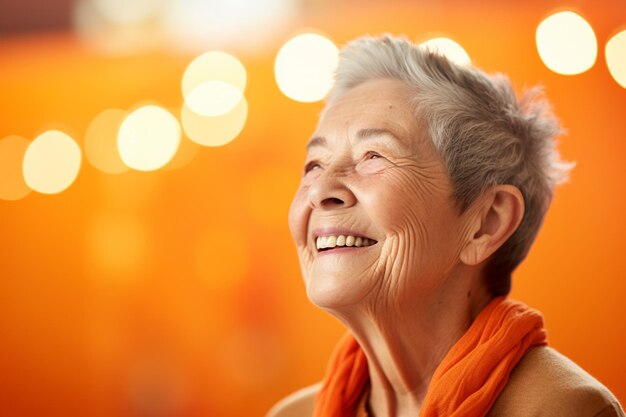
(330, 191)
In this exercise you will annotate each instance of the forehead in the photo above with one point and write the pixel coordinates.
(375, 104)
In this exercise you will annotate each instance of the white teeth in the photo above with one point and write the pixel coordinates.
(342, 240)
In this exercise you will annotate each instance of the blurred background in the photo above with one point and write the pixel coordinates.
(149, 150)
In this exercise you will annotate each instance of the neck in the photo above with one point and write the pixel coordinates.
(406, 340)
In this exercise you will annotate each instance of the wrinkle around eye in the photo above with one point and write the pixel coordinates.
(422, 178)
(373, 166)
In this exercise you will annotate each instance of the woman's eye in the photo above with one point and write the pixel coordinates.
(372, 155)
(373, 162)
(311, 166)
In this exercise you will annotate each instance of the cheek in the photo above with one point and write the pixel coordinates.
(397, 203)
(415, 214)
(298, 216)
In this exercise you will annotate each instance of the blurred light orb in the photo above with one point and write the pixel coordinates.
(448, 48)
(615, 52)
(51, 162)
(305, 66)
(12, 185)
(101, 141)
(148, 138)
(566, 43)
(213, 83)
(248, 25)
(213, 98)
(118, 244)
(118, 27)
(127, 12)
(214, 130)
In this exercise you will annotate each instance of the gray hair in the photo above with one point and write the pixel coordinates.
(485, 135)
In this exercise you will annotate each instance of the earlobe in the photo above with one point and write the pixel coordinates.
(500, 212)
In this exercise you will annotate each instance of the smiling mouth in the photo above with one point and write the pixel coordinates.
(326, 243)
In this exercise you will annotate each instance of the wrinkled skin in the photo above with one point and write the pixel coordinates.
(394, 191)
(371, 171)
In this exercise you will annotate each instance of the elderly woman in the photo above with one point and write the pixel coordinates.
(424, 186)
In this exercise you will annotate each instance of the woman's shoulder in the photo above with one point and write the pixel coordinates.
(298, 404)
(546, 383)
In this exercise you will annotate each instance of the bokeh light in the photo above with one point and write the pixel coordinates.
(148, 138)
(251, 25)
(217, 130)
(51, 162)
(213, 83)
(566, 43)
(304, 67)
(213, 98)
(448, 48)
(128, 12)
(101, 141)
(615, 53)
(12, 184)
(118, 244)
(117, 27)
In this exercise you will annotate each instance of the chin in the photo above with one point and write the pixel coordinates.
(332, 291)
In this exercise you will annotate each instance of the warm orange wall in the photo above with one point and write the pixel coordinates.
(213, 320)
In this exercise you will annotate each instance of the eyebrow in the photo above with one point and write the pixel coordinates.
(362, 134)
(316, 141)
(370, 133)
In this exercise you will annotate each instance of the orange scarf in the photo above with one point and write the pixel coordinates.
(468, 380)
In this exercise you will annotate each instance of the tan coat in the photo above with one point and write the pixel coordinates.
(544, 384)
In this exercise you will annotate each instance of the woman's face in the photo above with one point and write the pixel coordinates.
(372, 176)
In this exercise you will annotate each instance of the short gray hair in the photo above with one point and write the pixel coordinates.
(485, 135)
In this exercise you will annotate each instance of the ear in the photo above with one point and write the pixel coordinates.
(499, 213)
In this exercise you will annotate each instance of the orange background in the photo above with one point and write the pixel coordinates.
(210, 316)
